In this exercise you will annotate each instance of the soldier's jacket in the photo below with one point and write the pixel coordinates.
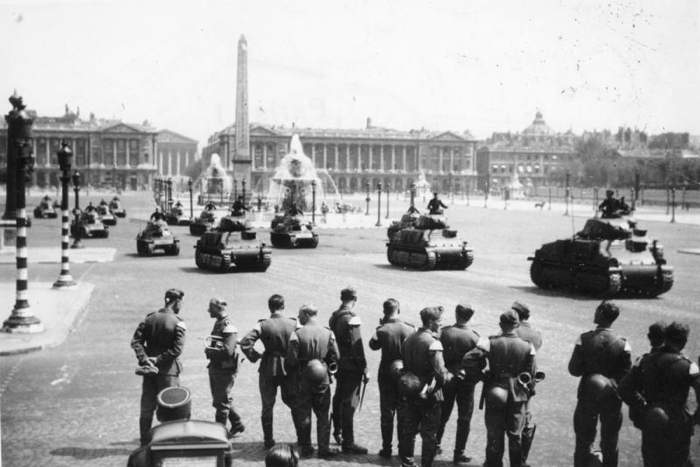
(456, 341)
(388, 337)
(346, 326)
(422, 355)
(507, 355)
(526, 333)
(161, 335)
(311, 341)
(274, 332)
(225, 357)
(600, 351)
(660, 378)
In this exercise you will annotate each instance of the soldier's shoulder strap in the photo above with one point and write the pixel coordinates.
(484, 343)
(181, 324)
(436, 346)
(355, 321)
(627, 346)
(227, 327)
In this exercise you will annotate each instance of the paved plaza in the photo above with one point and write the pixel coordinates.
(77, 403)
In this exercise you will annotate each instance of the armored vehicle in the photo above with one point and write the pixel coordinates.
(156, 236)
(608, 257)
(233, 244)
(205, 222)
(88, 225)
(106, 215)
(407, 220)
(176, 216)
(430, 244)
(292, 231)
(46, 209)
(115, 206)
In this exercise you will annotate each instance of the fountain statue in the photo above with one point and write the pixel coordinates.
(214, 180)
(291, 185)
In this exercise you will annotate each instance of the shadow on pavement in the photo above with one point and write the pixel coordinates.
(574, 295)
(196, 270)
(90, 453)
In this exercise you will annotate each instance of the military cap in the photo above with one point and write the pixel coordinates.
(521, 309)
(464, 310)
(609, 192)
(348, 293)
(217, 303)
(174, 294)
(509, 318)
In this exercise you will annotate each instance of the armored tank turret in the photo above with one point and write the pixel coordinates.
(429, 244)
(232, 245)
(608, 257)
(115, 206)
(156, 236)
(292, 231)
(106, 216)
(177, 216)
(46, 209)
(88, 225)
(205, 222)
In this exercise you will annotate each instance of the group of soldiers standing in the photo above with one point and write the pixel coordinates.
(423, 373)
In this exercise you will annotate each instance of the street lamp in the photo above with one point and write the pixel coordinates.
(673, 204)
(413, 197)
(379, 204)
(189, 187)
(388, 193)
(76, 188)
(367, 199)
(313, 202)
(566, 192)
(19, 149)
(169, 194)
(65, 160)
(243, 190)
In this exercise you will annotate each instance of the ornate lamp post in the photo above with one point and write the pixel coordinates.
(367, 199)
(19, 149)
(388, 193)
(379, 204)
(412, 191)
(243, 190)
(65, 159)
(169, 194)
(189, 187)
(673, 204)
(235, 188)
(313, 202)
(76, 189)
(567, 193)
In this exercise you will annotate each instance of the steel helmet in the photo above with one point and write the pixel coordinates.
(396, 368)
(655, 420)
(315, 373)
(598, 387)
(409, 384)
(496, 397)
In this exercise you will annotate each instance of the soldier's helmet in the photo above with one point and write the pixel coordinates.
(496, 397)
(598, 388)
(409, 384)
(174, 403)
(396, 368)
(656, 420)
(315, 374)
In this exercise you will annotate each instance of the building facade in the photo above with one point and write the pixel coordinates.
(537, 156)
(355, 159)
(175, 154)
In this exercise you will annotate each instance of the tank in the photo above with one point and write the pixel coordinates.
(608, 257)
(106, 215)
(156, 236)
(115, 206)
(46, 209)
(430, 244)
(176, 216)
(232, 245)
(292, 231)
(205, 222)
(88, 225)
(407, 220)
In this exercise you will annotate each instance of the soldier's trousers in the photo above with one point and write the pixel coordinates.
(508, 421)
(268, 393)
(418, 415)
(586, 418)
(345, 401)
(463, 393)
(669, 446)
(388, 405)
(319, 403)
(221, 384)
(152, 385)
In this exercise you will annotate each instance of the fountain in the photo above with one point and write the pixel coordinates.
(291, 185)
(214, 182)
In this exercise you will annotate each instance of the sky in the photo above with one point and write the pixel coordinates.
(481, 66)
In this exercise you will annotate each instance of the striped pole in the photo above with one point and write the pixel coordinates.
(64, 278)
(19, 127)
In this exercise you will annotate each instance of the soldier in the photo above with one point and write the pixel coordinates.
(274, 333)
(534, 337)
(312, 353)
(610, 205)
(352, 371)
(420, 410)
(223, 365)
(658, 387)
(601, 359)
(158, 342)
(435, 205)
(388, 338)
(505, 392)
(457, 340)
(157, 215)
(239, 208)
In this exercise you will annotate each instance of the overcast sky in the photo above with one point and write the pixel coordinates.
(479, 65)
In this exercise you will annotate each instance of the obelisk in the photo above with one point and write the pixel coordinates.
(242, 164)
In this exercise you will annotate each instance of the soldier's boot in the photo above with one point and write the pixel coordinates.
(267, 433)
(145, 429)
(460, 443)
(387, 435)
(236, 424)
(527, 437)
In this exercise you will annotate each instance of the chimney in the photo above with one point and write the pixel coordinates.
(369, 123)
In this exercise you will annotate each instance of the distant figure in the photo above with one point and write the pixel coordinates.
(324, 211)
(435, 205)
(90, 207)
(157, 215)
(610, 206)
(239, 208)
(295, 211)
(210, 206)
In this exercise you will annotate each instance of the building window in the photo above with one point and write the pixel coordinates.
(133, 152)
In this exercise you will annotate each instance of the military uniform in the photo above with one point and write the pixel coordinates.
(505, 398)
(309, 342)
(435, 206)
(388, 338)
(661, 380)
(422, 355)
(456, 341)
(534, 337)
(160, 337)
(609, 207)
(274, 333)
(351, 368)
(223, 366)
(598, 352)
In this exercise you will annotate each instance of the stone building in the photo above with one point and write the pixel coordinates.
(537, 155)
(355, 158)
(175, 153)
